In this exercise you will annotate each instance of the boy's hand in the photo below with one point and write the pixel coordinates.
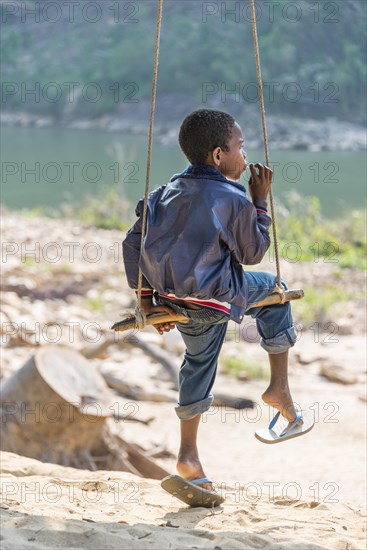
(260, 183)
(163, 327)
(149, 307)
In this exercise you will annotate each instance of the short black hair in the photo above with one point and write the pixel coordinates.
(204, 130)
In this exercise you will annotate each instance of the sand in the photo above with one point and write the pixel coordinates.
(46, 506)
(308, 493)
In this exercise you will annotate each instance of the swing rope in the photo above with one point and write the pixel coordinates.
(139, 312)
(265, 135)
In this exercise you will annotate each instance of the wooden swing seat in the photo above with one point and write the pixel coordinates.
(129, 322)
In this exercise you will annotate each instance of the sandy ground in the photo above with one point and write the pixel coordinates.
(308, 493)
(67, 508)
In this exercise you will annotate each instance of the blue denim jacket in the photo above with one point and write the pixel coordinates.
(201, 229)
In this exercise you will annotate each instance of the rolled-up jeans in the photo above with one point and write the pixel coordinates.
(204, 335)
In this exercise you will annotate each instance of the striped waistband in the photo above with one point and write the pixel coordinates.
(224, 307)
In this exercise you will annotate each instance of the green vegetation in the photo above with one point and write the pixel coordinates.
(316, 48)
(248, 368)
(304, 235)
(310, 238)
(30, 262)
(47, 267)
(107, 211)
(322, 305)
(95, 303)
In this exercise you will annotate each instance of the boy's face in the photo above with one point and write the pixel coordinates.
(231, 163)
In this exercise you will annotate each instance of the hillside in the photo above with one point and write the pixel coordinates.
(90, 59)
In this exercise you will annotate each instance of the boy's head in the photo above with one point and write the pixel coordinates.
(214, 138)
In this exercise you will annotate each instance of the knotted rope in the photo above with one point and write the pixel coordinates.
(139, 312)
(265, 136)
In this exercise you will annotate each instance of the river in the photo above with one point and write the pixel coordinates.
(46, 167)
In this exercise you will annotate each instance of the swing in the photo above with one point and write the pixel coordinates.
(139, 319)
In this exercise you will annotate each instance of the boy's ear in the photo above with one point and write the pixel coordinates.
(216, 155)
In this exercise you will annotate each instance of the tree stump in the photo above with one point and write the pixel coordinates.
(56, 408)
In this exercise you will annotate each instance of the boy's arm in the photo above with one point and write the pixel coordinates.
(131, 255)
(251, 227)
(251, 233)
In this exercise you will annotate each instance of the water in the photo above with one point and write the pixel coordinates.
(46, 167)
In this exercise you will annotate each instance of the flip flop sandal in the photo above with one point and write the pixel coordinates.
(190, 492)
(278, 432)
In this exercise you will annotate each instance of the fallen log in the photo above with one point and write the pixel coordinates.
(157, 354)
(136, 392)
(223, 400)
(55, 404)
(57, 408)
(140, 394)
(337, 374)
(160, 356)
(146, 466)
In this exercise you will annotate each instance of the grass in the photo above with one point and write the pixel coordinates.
(306, 236)
(95, 303)
(253, 369)
(321, 305)
(47, 267)
(107, 211)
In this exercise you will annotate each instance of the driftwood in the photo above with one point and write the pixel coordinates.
(154, 318)
(54, 391)
(169, 396)
(144, 464)
(335, 373)
(66, 285)
(160, 356)
(222, 400)
(138, 393)
(57, 407)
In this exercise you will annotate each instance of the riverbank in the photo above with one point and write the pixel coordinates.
(283, 133)
(57, 269)
(63, 283)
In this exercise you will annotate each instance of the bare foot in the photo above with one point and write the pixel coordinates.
(189, 467)
(281, 399)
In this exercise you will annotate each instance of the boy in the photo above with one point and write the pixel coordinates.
(201, 228)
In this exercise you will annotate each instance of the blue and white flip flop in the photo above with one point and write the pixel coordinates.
(190, 492)
(278, 432)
